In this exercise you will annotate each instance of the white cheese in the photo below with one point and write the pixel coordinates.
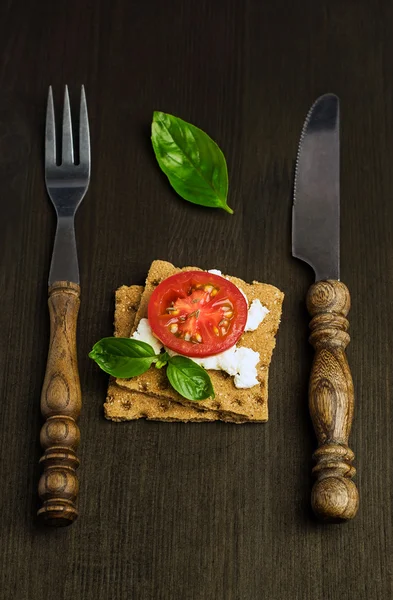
(240, 363)
(256, 313)
(144, 333)
(215, 272)
(225, 361)
(228, 361)
(246, 376)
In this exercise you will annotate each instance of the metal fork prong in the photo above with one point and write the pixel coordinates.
(67, 148)
(84, 133)
(50, 131)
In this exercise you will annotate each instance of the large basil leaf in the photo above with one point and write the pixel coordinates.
(189, 379)
(123, 357)
(192, 161)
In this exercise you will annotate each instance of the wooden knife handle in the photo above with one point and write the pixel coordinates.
(60, 406)
(331, 400)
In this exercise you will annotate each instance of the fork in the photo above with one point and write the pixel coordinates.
(66, 183)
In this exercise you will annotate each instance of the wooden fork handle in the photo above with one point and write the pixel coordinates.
(331, 401)
(60, 406)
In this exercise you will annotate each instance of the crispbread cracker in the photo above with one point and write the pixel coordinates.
(127, 300)
(123, 405)
(230, 402)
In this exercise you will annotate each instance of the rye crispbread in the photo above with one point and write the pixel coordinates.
(123, 405)
(232, 403)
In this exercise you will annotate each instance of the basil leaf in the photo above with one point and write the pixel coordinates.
(123, 357)
(192, 161)
(189, 379)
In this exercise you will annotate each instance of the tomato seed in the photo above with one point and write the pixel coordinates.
(173, 328)
(228, 314)
(198, 338)
(223, 323)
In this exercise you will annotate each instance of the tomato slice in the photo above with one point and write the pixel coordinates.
(196, 313)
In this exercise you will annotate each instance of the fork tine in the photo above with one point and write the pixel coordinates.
(84, 133)
(67, 149)
(50, 131)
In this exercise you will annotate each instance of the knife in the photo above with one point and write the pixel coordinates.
(316, 241)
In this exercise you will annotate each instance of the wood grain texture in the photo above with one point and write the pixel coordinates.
(331, 399)
(173, 511)
(61, 403)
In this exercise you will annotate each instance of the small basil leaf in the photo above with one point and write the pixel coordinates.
(123, 357)
(192, 161)
(162, 360)
(189, 379)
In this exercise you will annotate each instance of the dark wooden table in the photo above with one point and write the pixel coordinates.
(208, 511)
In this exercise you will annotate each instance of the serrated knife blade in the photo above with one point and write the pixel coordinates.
(316, 241)
(316, 205)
